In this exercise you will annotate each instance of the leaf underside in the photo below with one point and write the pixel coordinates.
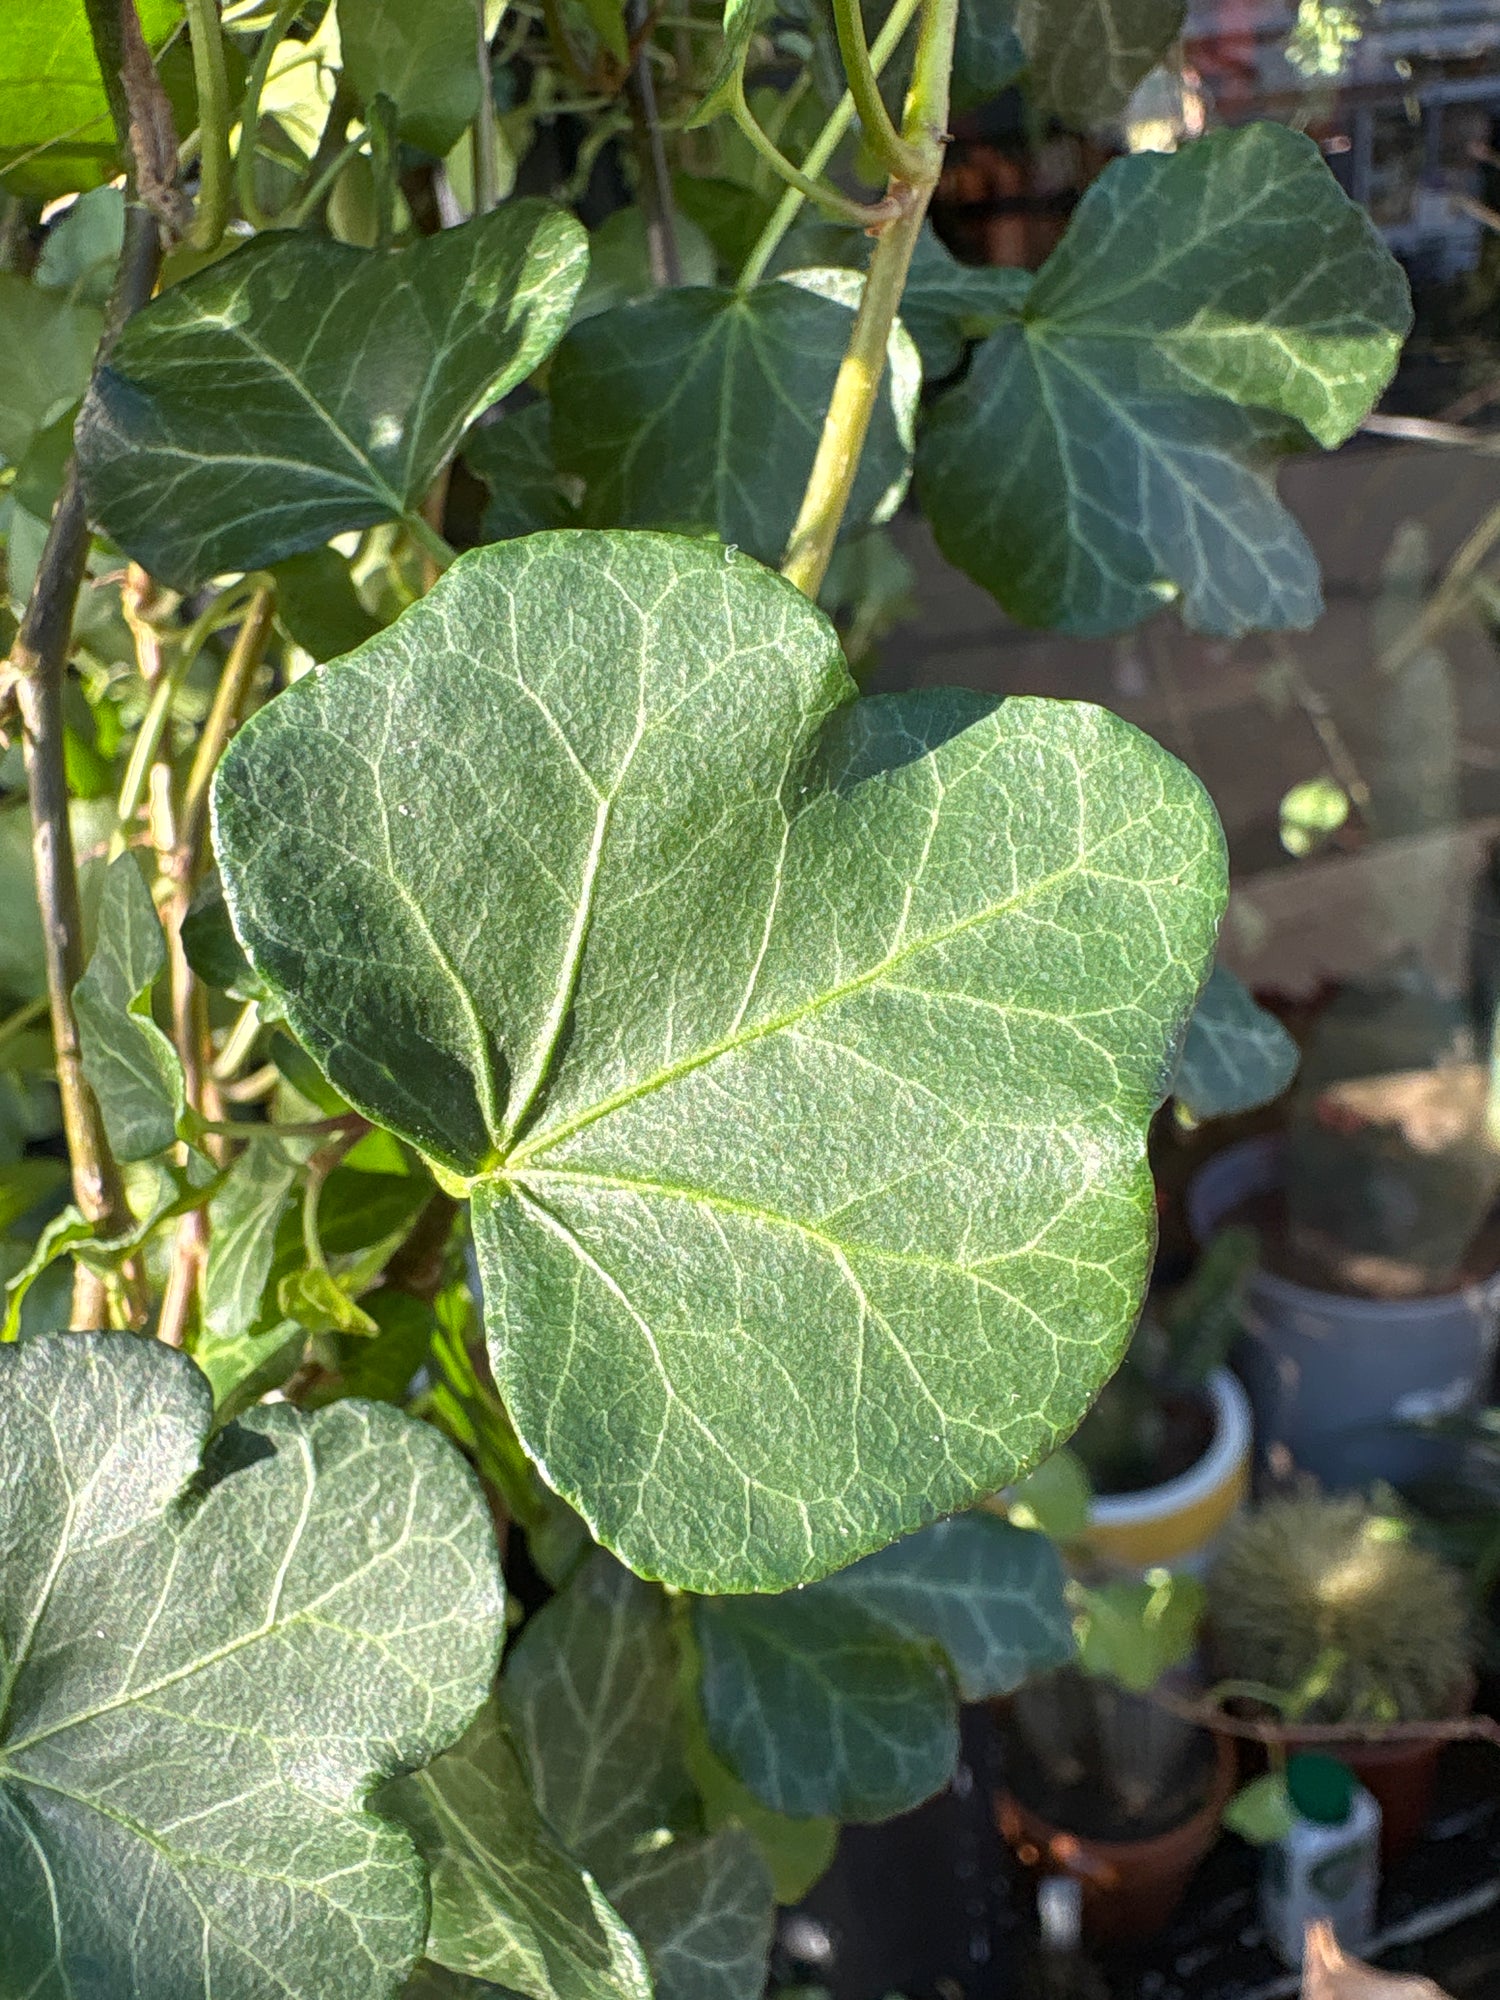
(800, 1050)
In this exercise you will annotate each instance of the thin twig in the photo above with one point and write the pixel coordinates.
(1209, 1715)
(662, 248)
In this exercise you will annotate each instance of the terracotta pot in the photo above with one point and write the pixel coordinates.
(1130, 1887)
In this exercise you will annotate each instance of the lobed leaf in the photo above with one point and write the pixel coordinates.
(1112, 446)
(799, 1050)
(300, 388)
(208, 1662)
(700, 409)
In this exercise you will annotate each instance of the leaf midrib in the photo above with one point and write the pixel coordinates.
(547, 1138)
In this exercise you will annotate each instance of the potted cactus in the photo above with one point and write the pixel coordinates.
(1323, 1612)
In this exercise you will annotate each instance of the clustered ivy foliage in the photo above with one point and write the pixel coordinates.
(574, 1088)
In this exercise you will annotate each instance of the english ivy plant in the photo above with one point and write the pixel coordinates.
(552, 1077)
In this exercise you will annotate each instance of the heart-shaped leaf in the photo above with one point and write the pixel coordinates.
(820, 1708)
(701, 409)
(132, 1066)
(1235, 1055)
(801, 1050)
(209, 1661)
(507, 1903)
(300, 388)
(1111, 447)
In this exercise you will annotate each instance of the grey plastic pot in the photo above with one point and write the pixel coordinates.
(1338, 1380)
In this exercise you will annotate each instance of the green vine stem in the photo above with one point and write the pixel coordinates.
(865, 214)
(255, 83)
(211, 77)
(486, 132)
(824, 147)
(901, 160)
(857, 387)
(37, 666)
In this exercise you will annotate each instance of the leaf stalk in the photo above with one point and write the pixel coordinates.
(211, 76)
(901, 160)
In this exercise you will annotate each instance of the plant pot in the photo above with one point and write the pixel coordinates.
(1337, 1380)
(1131, 1888)
(1177, 1522)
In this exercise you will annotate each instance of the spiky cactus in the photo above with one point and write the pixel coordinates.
(1327, 1599)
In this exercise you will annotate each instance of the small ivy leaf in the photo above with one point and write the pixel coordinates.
(700, 410)
(213, 951)
(83, 247)
(514, 459)
(181, 1762)
(507, 1903)
(989, 1594)
(423, 56)
(822, 1709)
(1235, 1055)
(46, 351)
(242, 1238)
(590, 1692)
(801, 1050)
(741, 19)
(316, 1300)
(299, 387)
(56, 133)
(131, 1065)
(1111, 447)
(1085, 57)
(704, 1911)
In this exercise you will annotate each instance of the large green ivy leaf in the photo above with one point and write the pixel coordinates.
(1084, 57)
(705, 1912)
(701, 409)
(56, 132)
(821, 1708)
(209, 1660)
(1112, 446)
(423, 55)
(1235, 1055)
(46, 351)
(989, 1594)
(300, 388)
(132, 1066)
(590, 1692)
(801, 1049)
(987, 52)
(507, 1904)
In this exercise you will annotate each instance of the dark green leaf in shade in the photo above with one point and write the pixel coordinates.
(25, 1183)
(514, 459)
(700, 410)
(208, 1667)
(1085, 57)
(741, 18)
(822, 1709)
(318, 605)
(1235, 1055)
(704, 1911)
(800, 1050)
(132, 1066)
(56, 133)
(507, 1903)
(729, 214)
(946, 304)
(1112, 447)
(83, 247)
(990, 1595)
(796, 1851)
(299, 387)
(421, 54)
(607, 19)
(590, 1693)
(213, 951)
(620, 261)
(987, 52)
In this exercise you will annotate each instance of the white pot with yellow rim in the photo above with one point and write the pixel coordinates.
(1177, 1523)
